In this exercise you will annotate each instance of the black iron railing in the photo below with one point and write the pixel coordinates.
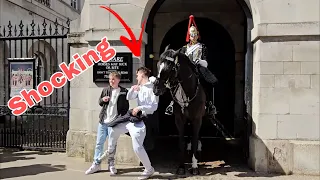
(45, 125)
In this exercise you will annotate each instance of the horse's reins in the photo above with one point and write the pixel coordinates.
(176, 87)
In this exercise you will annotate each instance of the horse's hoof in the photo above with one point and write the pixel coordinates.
(195, 171)
(181, 171)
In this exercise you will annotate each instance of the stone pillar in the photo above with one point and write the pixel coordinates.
(86, 33)
(285, 103)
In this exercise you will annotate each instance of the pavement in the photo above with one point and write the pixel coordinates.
(32, 165)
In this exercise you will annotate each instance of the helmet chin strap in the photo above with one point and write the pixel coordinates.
(192, 42)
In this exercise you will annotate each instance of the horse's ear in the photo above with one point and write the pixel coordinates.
(167, 47)
(176, 52)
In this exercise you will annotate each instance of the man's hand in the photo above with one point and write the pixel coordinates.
(135, 111)
(136, 87)
(106, 99)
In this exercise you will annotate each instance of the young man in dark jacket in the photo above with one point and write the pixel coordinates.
(114, 103)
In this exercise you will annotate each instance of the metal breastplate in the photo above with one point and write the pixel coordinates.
(195, 53)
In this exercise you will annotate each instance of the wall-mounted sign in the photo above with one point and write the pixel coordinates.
(21, 75)
(121, 63)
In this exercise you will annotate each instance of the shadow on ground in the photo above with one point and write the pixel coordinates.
(13, 172)
(205, 170)
(218, 157)
(12, 155)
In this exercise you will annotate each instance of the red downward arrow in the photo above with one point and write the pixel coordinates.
(133, 44)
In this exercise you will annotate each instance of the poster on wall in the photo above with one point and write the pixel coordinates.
(21, 75)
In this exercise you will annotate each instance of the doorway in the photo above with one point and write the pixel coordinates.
(227, 25)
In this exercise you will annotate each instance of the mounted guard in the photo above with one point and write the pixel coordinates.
(197, 53)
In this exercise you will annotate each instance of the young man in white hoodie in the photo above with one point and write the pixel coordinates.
(147, 104)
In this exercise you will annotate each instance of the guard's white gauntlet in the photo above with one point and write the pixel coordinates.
(152, 79)
(203, 63)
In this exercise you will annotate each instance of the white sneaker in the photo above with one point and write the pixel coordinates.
(113, 170)
(146, 174)
(93, 168)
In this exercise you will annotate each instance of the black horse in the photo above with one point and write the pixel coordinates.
(178, 74)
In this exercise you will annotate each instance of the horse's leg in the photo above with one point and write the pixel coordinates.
(180, 126)
(188, 140)
(196, 125)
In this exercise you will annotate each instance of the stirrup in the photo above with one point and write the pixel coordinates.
(211, 109)
(169, 109)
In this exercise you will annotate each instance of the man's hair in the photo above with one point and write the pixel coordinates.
(115, 74)
(145, 71)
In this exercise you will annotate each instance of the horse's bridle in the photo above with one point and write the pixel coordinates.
(173, 89)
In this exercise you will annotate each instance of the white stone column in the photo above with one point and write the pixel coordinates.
(86, 33)
(285, 103)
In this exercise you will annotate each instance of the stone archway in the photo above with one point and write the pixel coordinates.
(247, 6)
(159, 24)
(47, 55)
(152, 5)
(47, 62)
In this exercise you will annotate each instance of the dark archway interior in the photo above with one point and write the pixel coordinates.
(213, 149)
(221, 60)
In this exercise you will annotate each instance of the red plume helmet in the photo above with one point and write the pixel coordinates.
(192, 26)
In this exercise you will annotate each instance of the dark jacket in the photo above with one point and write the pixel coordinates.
(127, 117)
(122, 102)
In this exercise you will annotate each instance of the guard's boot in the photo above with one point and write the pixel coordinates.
(169, 109)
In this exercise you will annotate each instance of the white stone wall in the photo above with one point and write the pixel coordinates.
(92, 28)
(285, 87)
(84, 111)
(286, 70)
(287, 90)
(27, 10)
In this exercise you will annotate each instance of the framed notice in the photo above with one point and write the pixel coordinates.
(122, 63)
(21, 75)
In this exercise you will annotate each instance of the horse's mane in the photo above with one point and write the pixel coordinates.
(181, 56)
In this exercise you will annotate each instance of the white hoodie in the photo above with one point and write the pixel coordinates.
(147, 101)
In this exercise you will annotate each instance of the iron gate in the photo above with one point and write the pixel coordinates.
(45, 125)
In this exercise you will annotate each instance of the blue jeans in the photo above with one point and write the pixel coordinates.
(102, 134)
